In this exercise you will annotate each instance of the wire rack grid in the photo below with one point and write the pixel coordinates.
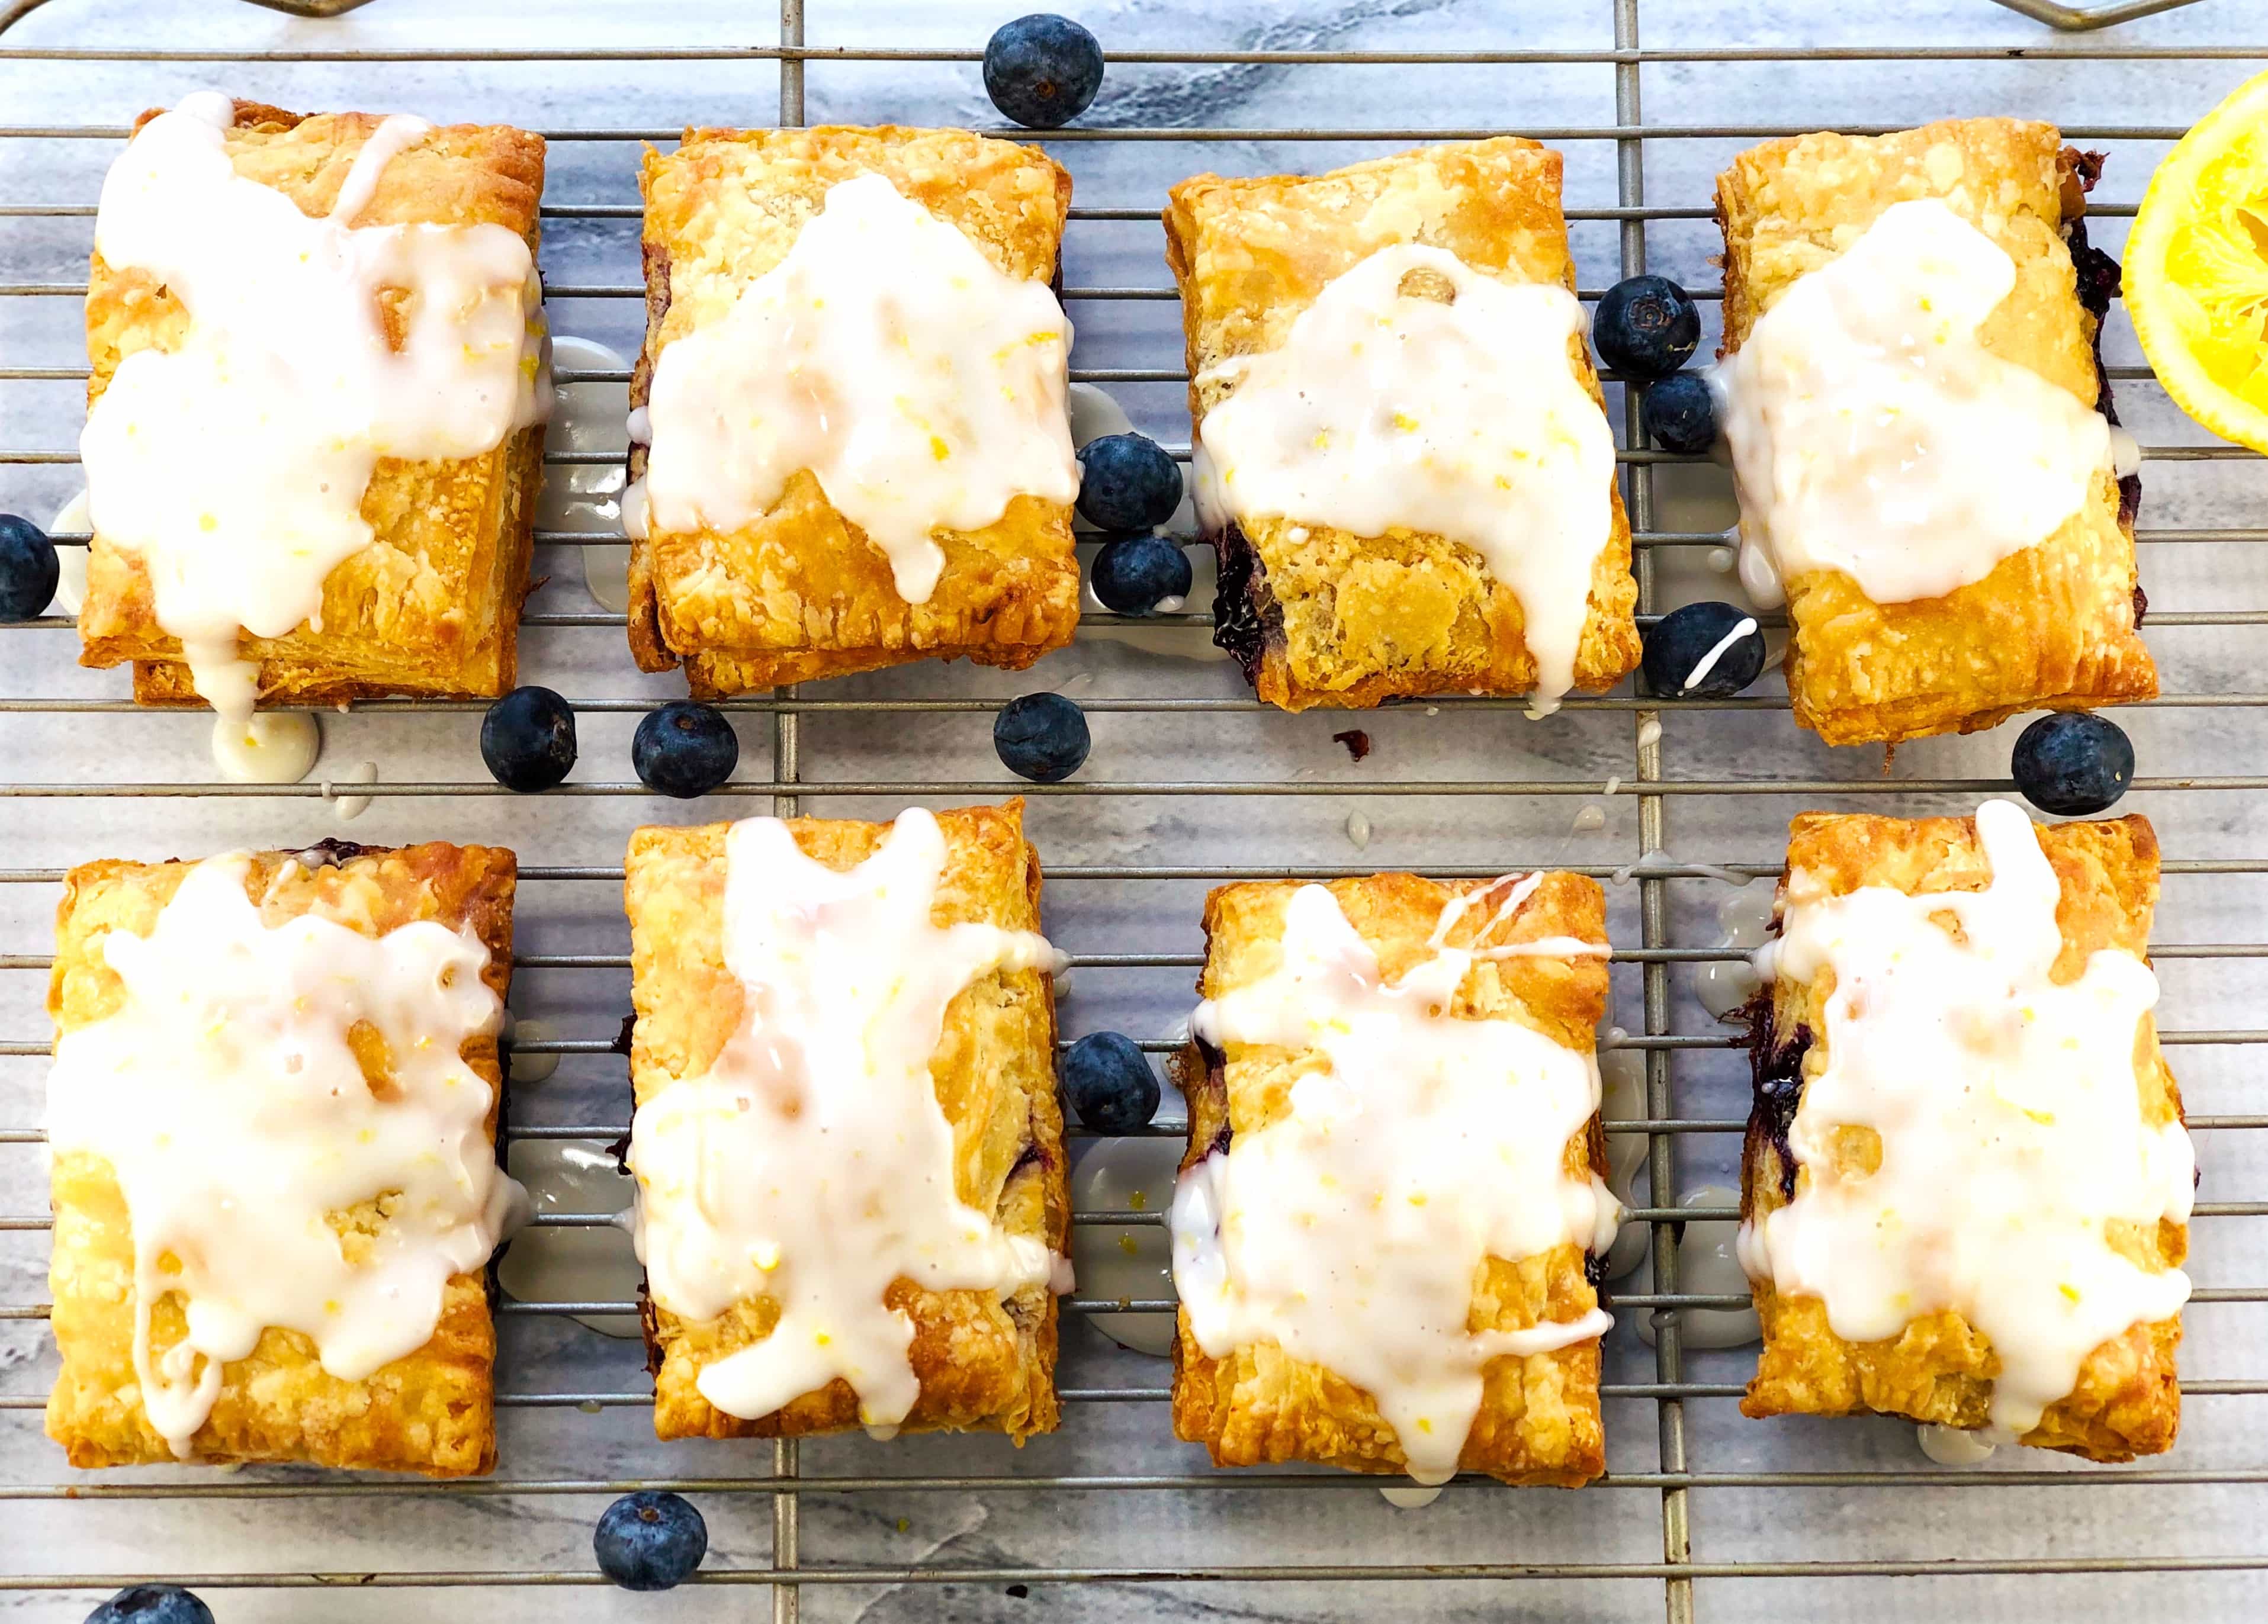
(1192, 783)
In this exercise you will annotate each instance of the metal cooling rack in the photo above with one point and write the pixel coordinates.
(1597, 1551)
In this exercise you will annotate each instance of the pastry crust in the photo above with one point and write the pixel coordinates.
(802, 592)
(985, 1363)
(1331, 618)
(2052, 626)
(431, 605)
(432, 1412)
(2127, 1399)
(1538, 1421)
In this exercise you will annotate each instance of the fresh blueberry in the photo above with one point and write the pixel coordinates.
(649, 1540)
(528, 740)
(2073, 762)
(1042, 70)
(151, 1604)
(1109, 1084)
(1127, 481)
(1645, 326)
(29, 568)
(1042, 737)
(1681, 413)
(1132, 574)
(684, 749)
(1704, 651)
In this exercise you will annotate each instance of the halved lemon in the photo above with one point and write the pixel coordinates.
(2197, 269)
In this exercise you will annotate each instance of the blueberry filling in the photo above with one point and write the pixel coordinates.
(2097, 281)
(1247, 620)
(1778, 1073)
(330, 853)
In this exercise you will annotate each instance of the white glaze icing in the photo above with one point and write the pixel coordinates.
(1742, 627)
(1744, 916)
(525, 1067)
(1358, 830)
(1951, 1446)
(2008, 1116)
(1622, 1075)
(268, 747)
(583, 1263)
(235, 464)
(350, 807)
(225, 1096)
(1130, 1263)
(586, 498)
(1349, 1231)
(1709, 1265)
(812, 1163)
(1383, 410)
(71, 576)
(923, 386)
(1407, 1497)
(1872, 432)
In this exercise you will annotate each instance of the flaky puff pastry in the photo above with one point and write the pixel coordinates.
(985, 1362)
(1538, 1421)
(2052, 626)
(1316, 615)
(2127, 1398)
(431, 605)
(802, 592)
(432, 1412)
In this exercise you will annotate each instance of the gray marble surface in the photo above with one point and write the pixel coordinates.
(2094, 1513)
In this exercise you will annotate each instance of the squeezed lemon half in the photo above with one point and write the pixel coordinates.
(2195, 278)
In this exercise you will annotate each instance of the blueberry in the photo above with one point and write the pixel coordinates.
(29, 568)
(1042, 70)
(1127, 481)
(1109, 1084)
(684, 749)
(1645, 326)
(1679, 645)
(649, 1540)
(1681, 413)
(151, 1604)
(527, 739)
(1132, 573)
(2073, 762)
(1042, 737)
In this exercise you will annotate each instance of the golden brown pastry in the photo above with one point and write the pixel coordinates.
(983, 1362)
(802, 592)
(2052, 626)
(431, 605)
(1538, 1421)
(432, 1412)
(1318, 616)
(2127, 1399)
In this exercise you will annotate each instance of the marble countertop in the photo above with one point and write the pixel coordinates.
(2097, 1512)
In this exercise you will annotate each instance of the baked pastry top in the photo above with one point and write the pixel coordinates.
(2053, 625)
(430, 1412)
(802, 592)
(1538, 1418)
(982, 1360)
(1319, 616)
(1942, 1368)
(431, 605)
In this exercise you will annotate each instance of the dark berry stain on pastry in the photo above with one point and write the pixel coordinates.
(649, 1327)
(1594, 1268)
(1216, 1083)
(329, 853)
(1247, 620)
(1357, 742)
(622, 1043)
(2097, 281)
(1776, 1068)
